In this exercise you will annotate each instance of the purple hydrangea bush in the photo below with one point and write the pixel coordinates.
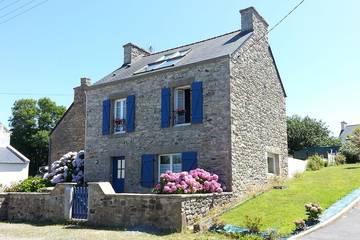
(194, 181)
(69, 168)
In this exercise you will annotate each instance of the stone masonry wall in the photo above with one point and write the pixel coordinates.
(34, 207)
(4, 201)
(258, 114)
(173, 212)
(69, 134)
(211, 139)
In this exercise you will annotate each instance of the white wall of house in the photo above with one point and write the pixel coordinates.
(4, 136)
(10, 173)
(296, 166)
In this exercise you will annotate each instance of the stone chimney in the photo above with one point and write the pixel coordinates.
(132, 53)
(251, 20)
(4, 136)
(79, 92)
(343, 125)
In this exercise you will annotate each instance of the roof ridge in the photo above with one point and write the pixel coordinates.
(352, 125)
(204, 40)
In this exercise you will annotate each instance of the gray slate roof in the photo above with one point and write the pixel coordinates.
(200, 51)
(9, 154)
(347, 131)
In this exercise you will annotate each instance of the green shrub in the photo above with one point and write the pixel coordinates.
(313, 211)
(253, 224)
(315, 163)
(340, 159)
(32, 184)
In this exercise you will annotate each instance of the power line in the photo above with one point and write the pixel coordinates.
(23, 12)
(9, 5)
(16, 9)
(276, 25)
(35, 94)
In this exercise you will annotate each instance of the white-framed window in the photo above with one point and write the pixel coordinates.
(169, 162)
(120, 168)
(273, 163)
(119, 122)
(182, 105)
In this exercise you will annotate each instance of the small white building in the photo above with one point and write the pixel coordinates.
(14, 166)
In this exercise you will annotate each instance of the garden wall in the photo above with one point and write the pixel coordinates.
(173, 212)
(36, 207)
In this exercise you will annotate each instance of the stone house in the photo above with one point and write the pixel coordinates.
(217, 104)
(347, 130)
(69, 133)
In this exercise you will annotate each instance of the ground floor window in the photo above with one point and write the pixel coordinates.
(169, 162)
(273, 163)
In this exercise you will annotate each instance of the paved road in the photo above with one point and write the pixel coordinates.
(347, 227)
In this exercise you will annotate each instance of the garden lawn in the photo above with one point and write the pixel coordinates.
(279, 209)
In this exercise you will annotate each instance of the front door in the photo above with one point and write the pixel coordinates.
(118, 174)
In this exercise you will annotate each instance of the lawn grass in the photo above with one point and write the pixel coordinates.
(278, 209)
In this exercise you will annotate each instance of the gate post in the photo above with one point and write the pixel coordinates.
(68, 198)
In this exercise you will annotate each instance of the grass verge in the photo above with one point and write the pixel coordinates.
(278, 209)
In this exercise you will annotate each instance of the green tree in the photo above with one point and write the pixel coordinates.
(31, 123)
(308, 132)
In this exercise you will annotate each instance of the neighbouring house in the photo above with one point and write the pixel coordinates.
(217, 104)
(14, 166)
(347, 130)
(69, 133)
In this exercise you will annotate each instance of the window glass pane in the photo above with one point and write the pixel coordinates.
(270, 162)
(179, 106)
(119, 116)
(164, 164)
(118, 174)
(176, 161)
(153, 66)
(170, 62)
(176, 158)
(119, 164)
(123, 173)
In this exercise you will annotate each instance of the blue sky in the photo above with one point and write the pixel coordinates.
(45, 51)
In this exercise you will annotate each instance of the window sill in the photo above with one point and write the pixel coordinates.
(182, 124)
(121, 132)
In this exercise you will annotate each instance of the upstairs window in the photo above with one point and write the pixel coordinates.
(167, 60)
(182, 105)
(119, 115)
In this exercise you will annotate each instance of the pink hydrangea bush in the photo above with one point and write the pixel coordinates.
(195, 181)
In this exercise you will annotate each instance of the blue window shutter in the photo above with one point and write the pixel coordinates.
(196, 102)
(188, 161)
(106, 117)
(147, 170)
(165, 107)
(130, 113)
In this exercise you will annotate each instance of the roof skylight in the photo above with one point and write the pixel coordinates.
(167, 60)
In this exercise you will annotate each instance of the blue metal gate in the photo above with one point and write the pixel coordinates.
(80, 203)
